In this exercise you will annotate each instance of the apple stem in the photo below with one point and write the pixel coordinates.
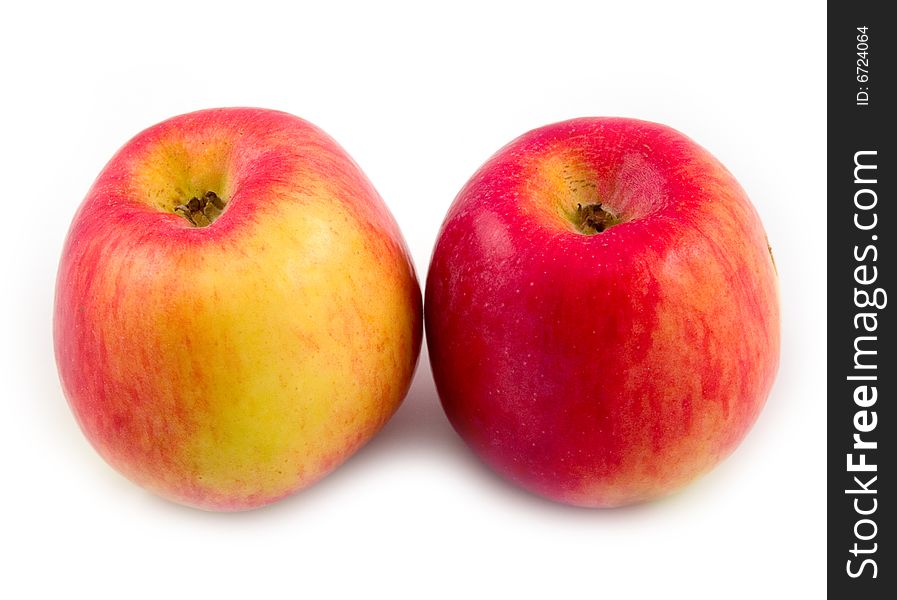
(771, 257)
(201, 211)
(593, 218)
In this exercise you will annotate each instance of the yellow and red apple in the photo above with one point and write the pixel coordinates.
(602, 312)
(236, 311)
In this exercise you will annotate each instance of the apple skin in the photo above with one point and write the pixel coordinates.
(227, 366)
(606, 369)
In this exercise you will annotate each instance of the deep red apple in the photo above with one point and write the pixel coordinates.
(602, 312)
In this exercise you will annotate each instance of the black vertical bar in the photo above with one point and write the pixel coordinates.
(862, 222)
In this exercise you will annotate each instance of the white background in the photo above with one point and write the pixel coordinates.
(420, 97)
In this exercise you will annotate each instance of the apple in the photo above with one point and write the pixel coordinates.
(236, 311)
(602, 312)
